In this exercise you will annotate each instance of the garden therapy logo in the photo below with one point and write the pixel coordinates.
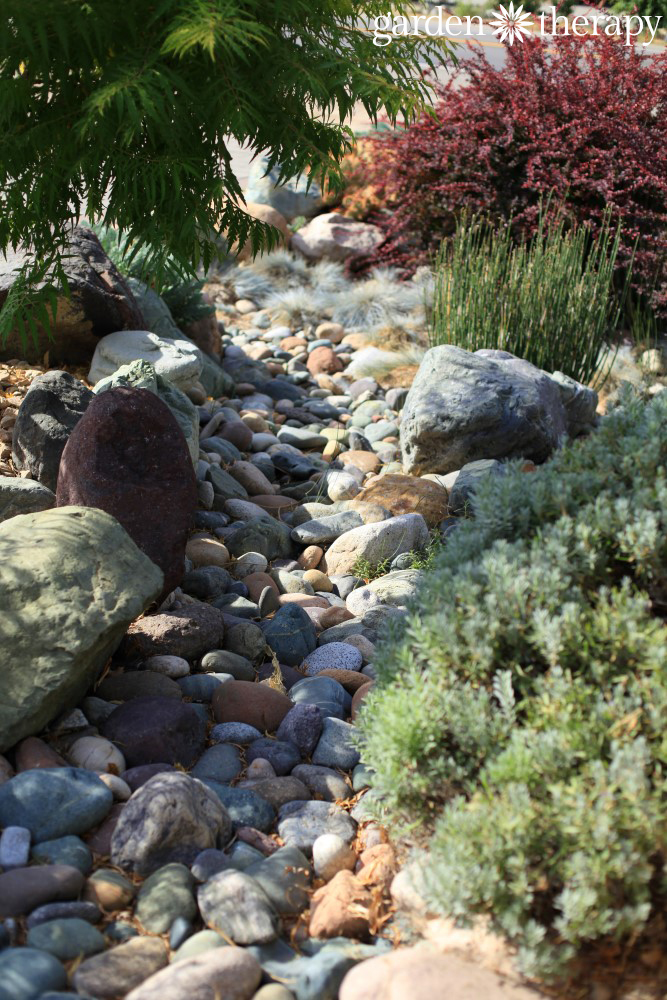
(510, 23)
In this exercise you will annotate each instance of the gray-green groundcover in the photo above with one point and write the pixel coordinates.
(518, 727)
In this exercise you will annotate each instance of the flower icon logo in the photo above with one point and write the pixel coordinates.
(510, 23)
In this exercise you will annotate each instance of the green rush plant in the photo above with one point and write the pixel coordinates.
(122, 113)
(550, 300)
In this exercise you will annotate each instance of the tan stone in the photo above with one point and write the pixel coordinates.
(335, 616)
(364, 645)
(257, 704)
(252, 479)
(407, 495)
(323, 359)
(318, 580)
(117, 971)
(332, 450)
(420, 973)
(366, 461)
(350, 679)
(109, 889)
(310, 557)
(295, 344)
(206, 552)
(254, 421)
(330, 331)
(340, 908)
(275, 504)
(257, 582)
(378, 866)
(268, 215)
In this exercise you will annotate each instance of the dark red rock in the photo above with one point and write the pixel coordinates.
(24, 889)
(237, 433)
(189, 632)
(244, 701)
(99, 840)
(157, 730)
(128, 456)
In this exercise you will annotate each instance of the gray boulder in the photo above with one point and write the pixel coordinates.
(53, 406)
(179, 361)
(99, 303)
(461, 497)
(71, 581)
(172, 818)
(290, 197)
(142, 375)
(235, 904)
(23, 496)
(463, 407)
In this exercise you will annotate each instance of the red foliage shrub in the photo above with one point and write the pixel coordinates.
(585, 118)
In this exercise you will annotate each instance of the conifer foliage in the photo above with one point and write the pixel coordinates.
(120, 112)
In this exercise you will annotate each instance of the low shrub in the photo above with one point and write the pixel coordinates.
(550, 301)
(585, 118)
(517, 728)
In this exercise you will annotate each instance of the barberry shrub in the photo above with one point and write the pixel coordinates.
(584, 119)
(517, 728)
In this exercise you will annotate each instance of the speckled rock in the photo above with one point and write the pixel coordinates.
(334, 655)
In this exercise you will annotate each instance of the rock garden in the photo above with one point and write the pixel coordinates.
(332, 603)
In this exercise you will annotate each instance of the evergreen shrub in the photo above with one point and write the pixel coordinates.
(518, 728)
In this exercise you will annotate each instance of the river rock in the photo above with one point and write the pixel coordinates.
(332, 656)
(54, 802)
(234, 904)
(322, 782)
(24, 889)
(128, 456)
(301, 823)
(285, 878)
(26, 973)
(336, 237)
(66, 938)
(377, 542)
(156, 730)
(463, 407)
(218, 974)
(255, 704)
(290, 634)
(65, 558)
(302, 726)
(406, 495)
(171, 818)
(23, 496)
(120, 969)
(165, 896)
(335, 747)
(189, 632)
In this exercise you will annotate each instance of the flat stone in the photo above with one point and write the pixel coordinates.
(221, 762)
(66, 939)
(68, 850)
(24, 889)
(322, 530)
(234, 732)
(76, 910)
(170, 819)
(234, 904)
(120, 969)
(316, 972)
(282, 756)
(335, 747)
(156, 730)
(323, 782)
(189, 632)
(224, 973)
(26, 973)
(135, 777)
(201, 687)
(335, 655)
(165, 896)
(222, 661)
(255, 704)
(301, 823)
(351, 680)
(280, 790)
(54, 802)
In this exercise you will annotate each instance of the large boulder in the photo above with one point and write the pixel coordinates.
(99, 303)
(142, 375)
(463, 407)
(336, 237)
(292, 197)
(128, 456)
(179, 361)
(71, 581)
(51, 409)
(23, 496)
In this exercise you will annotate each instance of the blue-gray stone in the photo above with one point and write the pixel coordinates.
(330, 697)
(317, 973)
(233, 604)
(227, 451)
(322, 782)
(301, 823)
(198, 944)
(166, 895)
(381, 429)
(180, 931)
(462, 493)
(362, 777)
(69, 850)
(346, 584)
(209, 863)
(221, 762)
(302, 726)
(14, 847)
(66, 939)
(206, 582)
(64, 911)
(242, 856)
(259, 534)
(121, 931)
(290, 634)
(25, 973)
(285, 878)
(223, 662)
(244, 806)
(201, 687)
(322, 530)
(335, 747)
(281, 756)
(234, 732)
(54, 801)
